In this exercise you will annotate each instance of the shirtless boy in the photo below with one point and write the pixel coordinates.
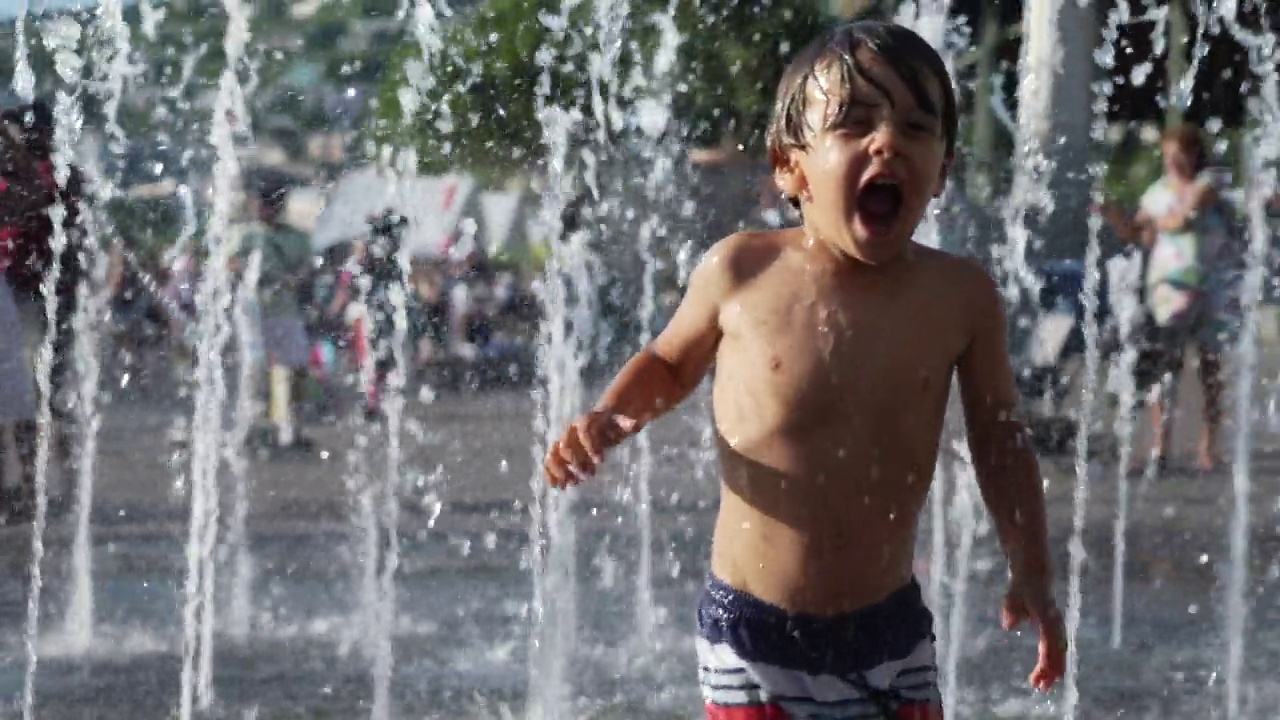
(834, 345)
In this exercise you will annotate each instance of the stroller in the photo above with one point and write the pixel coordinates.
(1050, 362)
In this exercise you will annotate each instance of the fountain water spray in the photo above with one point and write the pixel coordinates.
(1264, 110)
(214, 300)
(1263, 185)
(1032, 168)
(1124, 291)
(562, 353)
(111, 60)
(24, 81)
(364, 524)
(1084, 422)
(240, 609)
(659, 154)
(1124, 287)
(965, 516)
(388, 510)
(91, 305)
(568, 299)
(62, 37)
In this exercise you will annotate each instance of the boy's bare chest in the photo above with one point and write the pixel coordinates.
(862, 355)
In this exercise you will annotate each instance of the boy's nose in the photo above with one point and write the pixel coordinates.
(884, 141)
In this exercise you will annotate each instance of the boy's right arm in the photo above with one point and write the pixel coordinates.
(653, 382)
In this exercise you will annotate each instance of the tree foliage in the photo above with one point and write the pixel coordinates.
(473, 101)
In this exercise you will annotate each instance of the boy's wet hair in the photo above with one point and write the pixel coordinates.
(910, 56)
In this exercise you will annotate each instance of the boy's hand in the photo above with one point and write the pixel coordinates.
(1025, 601)
(577, 454)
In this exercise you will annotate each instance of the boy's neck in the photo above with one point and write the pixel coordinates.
(837, 257)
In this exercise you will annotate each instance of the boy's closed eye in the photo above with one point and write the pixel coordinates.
(923, 125)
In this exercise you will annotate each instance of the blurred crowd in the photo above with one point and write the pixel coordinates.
(319, 320)
(320, 328)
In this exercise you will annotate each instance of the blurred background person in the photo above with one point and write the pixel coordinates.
(1191, 293)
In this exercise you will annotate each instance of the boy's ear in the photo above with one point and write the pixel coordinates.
(943, 173)
(788, 175)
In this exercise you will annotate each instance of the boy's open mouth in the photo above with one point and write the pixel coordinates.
(879, 201)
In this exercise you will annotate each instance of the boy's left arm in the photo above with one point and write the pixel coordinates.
(1009, 476)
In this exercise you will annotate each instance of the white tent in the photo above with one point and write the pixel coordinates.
(498, 214)
(303, 206)
(432, 205)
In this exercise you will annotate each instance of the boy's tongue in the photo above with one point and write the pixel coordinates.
(879, 202)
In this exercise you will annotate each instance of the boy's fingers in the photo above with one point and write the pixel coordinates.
(575, 455)
(553, 466)
(583, 434)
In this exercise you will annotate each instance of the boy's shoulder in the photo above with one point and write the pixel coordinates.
(959, 269)
(959, 278)
(744, 255)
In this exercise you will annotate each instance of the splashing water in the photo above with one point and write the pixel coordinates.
(1124, 285)
(1089, 386)
(562, 354)
(965, 517)
(659, 152)
(110, 53)
(240, 608)
(62, 38)
(389, 494)
(1124, 288)
(1032, 167)
(91, 301)
(1264, 52)
(24, 80)
(1076, 549)
(213, 301)
(567, 296)
(1262, 183)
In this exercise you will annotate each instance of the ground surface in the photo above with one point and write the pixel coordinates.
(464, 586)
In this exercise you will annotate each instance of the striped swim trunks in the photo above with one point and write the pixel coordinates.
(759, 662)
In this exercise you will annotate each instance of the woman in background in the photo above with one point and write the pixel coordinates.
(1191, 281)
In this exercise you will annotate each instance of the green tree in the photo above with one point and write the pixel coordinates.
(479, 108)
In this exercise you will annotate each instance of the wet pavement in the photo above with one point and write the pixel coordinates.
(464, 586)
